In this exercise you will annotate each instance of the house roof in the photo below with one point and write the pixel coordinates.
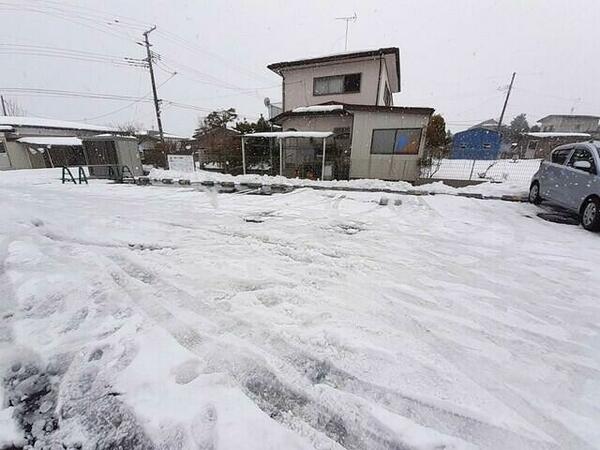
(151, 134)
(291, 134)
(490, 123)
(392, 51)
(347, 108)
(476, 128)
(37, 122)
(50, 141)
(555, 134)
(226, 130)
(570, 116)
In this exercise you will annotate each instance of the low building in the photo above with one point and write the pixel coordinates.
(476, 143)
(218, 149)
(32, 143)
(535, 145)
(569, 123)
(148, 141)
(351, 95)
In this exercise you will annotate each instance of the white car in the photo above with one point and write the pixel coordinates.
(570, 179)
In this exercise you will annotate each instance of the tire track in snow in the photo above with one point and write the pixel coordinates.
(272, 398)
(261, 383)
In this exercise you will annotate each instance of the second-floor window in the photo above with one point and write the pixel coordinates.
(338, 84)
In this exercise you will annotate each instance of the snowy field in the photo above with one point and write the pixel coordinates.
(151, 317)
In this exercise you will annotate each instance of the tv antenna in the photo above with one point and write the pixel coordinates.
(347, 19)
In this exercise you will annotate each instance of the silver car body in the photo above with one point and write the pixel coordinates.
(565, 185)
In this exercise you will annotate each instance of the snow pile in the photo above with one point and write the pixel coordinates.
(171, 318)
(203, 175)
(436, 187)
(51, 140)
(39, 122)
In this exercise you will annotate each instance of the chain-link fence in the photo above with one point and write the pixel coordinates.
(517, 171)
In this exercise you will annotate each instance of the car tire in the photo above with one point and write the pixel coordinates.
(590, 214)
(534, 193)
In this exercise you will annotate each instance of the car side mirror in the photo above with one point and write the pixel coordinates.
(582, 165)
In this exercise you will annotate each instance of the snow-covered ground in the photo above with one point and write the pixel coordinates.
(149, 317)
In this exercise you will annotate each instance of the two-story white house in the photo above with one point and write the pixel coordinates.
(350, 94)
(569, 123)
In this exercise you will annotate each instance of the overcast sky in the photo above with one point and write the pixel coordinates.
(456, 56)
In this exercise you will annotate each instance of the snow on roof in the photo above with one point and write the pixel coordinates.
(50, 140)
(5, 128)
(109, 136)
(155, 134)
(317, 108)
(38, 122)
(543, 134)
(290, 134)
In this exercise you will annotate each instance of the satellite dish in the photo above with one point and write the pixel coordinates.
(267, 102)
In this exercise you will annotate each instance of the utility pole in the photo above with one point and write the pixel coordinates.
(154, 93)
(3, 105)
(347, 19)
(512, 80)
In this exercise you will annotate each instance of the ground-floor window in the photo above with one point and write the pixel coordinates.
(398, 141)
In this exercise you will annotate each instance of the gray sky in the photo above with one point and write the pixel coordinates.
(456, 56)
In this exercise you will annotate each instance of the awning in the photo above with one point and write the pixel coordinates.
(291, 134)
(50, 140)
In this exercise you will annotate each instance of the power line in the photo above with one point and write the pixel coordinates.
(135, 102)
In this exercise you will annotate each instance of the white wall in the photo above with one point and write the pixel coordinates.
(385, 167)
(298, 83)
(19, 155)
(384, 80)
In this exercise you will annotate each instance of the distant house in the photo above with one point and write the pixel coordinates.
(476, 143)
(32, 143)
(490, 124)
(539, 144)
(350, 94)
(218, 149)
(569, 123)
(148, 140)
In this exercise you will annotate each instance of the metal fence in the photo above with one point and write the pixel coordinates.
(517, 171)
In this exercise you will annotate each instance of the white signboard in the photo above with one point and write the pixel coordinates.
(181, 163)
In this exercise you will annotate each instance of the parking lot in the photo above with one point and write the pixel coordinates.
(312, 318)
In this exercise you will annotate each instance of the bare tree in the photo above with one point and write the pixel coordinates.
(13, 108)
(130, 128)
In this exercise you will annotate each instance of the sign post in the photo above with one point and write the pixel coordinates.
(181, 163)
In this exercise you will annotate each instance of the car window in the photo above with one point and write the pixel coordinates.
(582, 154)
(561, 155)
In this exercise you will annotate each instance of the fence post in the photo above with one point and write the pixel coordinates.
(472, 168)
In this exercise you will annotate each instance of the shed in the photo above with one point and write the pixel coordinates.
(476, 143)
(112, 150)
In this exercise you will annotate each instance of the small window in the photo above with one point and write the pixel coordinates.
(560, 156)
(532, 145)
(463, 145)
(398, 141)
(352, 82)
(339, 84)
(2, 147)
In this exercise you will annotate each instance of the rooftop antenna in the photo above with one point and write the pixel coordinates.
(347, 19)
